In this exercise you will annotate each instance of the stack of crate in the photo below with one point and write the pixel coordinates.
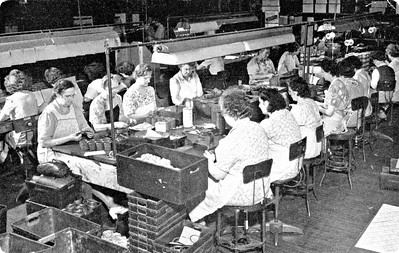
(150, 218)
(271, 8)
(321, 6)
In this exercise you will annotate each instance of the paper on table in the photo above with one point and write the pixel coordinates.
(397, 164)
(382, 234)
(189, 236)
(91, 153)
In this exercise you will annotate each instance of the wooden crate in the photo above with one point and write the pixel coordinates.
(177, 186)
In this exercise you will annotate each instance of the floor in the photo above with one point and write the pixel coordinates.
(338, 218)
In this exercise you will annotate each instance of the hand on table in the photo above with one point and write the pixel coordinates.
(211, 156)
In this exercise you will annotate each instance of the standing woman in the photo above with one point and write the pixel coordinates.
(336, 101)
(282, 130)
(306, 114)
(60, 122)
(260, 68)
(139, 99)
(100, 116)
(289, 60)
(185, 84)
(245, 144)
(392, 52)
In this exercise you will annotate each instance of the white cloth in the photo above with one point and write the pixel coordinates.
(214, 65)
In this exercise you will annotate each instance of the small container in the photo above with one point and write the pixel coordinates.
(188, 117)
(84, 146)
(99, 145)
(92, 145)
(107, 145)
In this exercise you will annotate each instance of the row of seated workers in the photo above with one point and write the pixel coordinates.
(62, 119)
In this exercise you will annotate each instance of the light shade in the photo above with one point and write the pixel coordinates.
(201, 48)
(29, 48)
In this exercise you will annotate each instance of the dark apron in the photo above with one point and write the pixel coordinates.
(116, 114)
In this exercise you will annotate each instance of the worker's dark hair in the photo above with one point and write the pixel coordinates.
(301, 86)
(346, 68)
(329, 66)
(275, 99)
(377, 55)
(53, 74)
(393, 50)
(355, 61)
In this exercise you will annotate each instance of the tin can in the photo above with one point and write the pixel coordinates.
(99, 145)
(187, 117)
(84, 146)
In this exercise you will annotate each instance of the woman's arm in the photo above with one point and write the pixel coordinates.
(328, 111)
(46, 128)
(200, 92)
(175, 92)
(8, 107)
(375, 77)
(212, 168)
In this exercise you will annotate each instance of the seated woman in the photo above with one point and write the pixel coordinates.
(20, 104)
(282, 130)
(100, 116)
(139, 100)
(60, 121)
(125, 70)
(260, 68)
(289, 60)
(306, 114)
(245, 144)
(185, 85)
(336, 101)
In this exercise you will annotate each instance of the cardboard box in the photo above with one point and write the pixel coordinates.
(307, 8)
(188, 178)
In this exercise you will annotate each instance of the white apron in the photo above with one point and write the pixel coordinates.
(67, 125)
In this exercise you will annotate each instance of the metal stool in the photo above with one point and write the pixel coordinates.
(276, 226)
(311, 163)
(251, 173)
(339, 160)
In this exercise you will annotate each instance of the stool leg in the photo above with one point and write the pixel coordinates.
(350, 163)
(325, 161)
(263, 230)
(237, 216)
(307, 188)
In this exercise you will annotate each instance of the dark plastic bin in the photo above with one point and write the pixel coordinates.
(50, 220)
(13, 243)
(3, 219)
(71, 240)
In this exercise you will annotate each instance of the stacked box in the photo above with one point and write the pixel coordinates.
(204, 243)
(149, 218)
(53, 196)
(3, 219)
(272, 16)
(175, 111)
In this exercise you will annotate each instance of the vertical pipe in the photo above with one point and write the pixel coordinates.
(80, 15)
(111, 106)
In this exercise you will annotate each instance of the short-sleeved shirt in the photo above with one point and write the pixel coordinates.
(287, 63)
(95, 88)
(139, 102)
(181, 88)
(19, 105)
(354, 87)
(338, 95)
(258, 66)
(282, 130)
(100, 105)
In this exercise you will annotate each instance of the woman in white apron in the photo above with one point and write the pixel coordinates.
(60, 122)
(139, 99)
